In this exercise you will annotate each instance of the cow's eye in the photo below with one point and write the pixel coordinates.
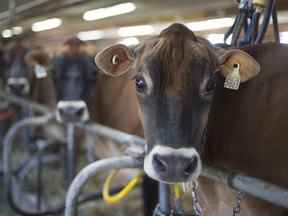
(140, 84)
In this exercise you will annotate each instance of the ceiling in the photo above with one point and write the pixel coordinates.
(147, 12)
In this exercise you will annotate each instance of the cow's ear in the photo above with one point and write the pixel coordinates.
(115, 60)
(248, 66)
(38, 56)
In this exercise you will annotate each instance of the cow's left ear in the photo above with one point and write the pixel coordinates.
(248, 66)
(115, 60)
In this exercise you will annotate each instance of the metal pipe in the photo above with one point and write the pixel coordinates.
(24, 103)
(269, 192)
(90, 171)
(164, 198)
(116, 135)
(12, 11)
(71, 154)
(265, 23)
(275, 23)
(39, 180)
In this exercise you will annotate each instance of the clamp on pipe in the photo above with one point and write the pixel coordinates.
(114, 199)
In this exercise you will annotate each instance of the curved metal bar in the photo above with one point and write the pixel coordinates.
(7, 148)
(90, 171)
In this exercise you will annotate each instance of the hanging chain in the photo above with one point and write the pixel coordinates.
(237, 207)
(196, 208)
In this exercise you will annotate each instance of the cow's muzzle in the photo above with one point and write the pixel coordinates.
(171, 165)
(72, 111)
(18, 86)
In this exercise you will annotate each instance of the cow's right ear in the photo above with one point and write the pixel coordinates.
(115, 60)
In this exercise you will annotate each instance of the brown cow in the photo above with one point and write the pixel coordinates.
(21, 79)
(43, 90)
(177, 78)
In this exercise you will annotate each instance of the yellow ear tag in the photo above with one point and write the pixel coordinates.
(233, 79)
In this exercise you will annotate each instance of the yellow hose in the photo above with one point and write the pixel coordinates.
(177, 191)
(114, 199)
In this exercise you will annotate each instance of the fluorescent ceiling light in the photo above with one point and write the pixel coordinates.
(284, 37)
(46, 24)
(210, 24)
(218, 38)
(90, 35)
(115, 10)
(136, 31)
(17, 30)
(132, 41)
(7, 33)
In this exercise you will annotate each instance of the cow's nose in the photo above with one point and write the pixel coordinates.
(72, 111)
(18, 86)
(17, 89)
(167, 164)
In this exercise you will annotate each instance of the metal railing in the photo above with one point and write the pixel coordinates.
(256, 187)
(250, 185)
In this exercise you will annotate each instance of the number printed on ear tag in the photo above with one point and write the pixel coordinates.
(40, 71)
(233, 79)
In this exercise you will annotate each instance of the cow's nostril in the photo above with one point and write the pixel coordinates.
(159, 163)
(80, 112)
(61, 111)
(21, 87)
(191, 166)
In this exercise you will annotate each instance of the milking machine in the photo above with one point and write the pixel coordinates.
(253, 21)
(134, 159)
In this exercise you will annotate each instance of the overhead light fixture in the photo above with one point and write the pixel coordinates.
(7, 33)
(46, 24)
(17, 30)
(90, 35)
(115, 10)
(210, 24)
(284, 37)
(140, 30)
(131, 41)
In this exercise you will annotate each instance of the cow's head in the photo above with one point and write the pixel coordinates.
(175, 76)
(74, 74)
(17, 74)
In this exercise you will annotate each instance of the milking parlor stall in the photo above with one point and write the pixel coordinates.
(144, 107)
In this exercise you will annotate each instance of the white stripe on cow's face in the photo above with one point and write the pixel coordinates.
(149, 82)
(176, 156)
